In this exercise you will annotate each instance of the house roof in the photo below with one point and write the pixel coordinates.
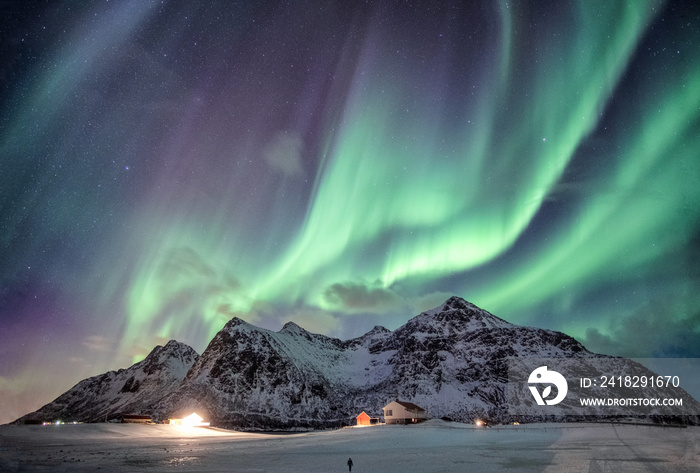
(409, 405)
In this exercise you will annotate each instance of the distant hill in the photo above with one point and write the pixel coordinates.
(126, 391)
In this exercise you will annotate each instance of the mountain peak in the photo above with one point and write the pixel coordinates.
(291, 327)
(461, 315)
(171, 349)
(173, 346)
(378, 329)
(129, 390)
(458, 303)
(172, 354)
(234, 323)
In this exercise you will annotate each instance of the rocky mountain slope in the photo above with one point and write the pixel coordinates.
(126, 391)
(449, 360)
(453, 361)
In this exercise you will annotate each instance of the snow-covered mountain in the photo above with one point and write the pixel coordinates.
(126, 391)
(449, 360)
(452, 360)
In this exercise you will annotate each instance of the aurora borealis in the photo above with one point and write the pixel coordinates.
(168, 165)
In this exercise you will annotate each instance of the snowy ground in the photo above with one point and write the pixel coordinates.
(431, 447)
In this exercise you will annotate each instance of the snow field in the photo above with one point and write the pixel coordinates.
(434, 446)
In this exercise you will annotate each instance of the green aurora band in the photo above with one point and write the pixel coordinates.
(403, 199)
(528, 171)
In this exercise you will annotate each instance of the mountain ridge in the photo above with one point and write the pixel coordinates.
(293, 377)
(124, 391)
(450, 360)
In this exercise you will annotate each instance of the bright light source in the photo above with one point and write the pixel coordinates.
(192, 420)
(479, 423)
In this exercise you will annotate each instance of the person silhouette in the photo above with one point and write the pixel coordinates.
(349, 464)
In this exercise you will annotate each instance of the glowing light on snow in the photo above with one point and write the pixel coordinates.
(192, 420)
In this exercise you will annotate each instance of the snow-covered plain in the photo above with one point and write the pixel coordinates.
(434, 446)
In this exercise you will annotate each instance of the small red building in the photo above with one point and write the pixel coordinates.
(365, 419)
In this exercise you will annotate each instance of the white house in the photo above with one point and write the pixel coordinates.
(401, 412)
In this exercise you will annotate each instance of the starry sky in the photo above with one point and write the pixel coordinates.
(166, 165)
